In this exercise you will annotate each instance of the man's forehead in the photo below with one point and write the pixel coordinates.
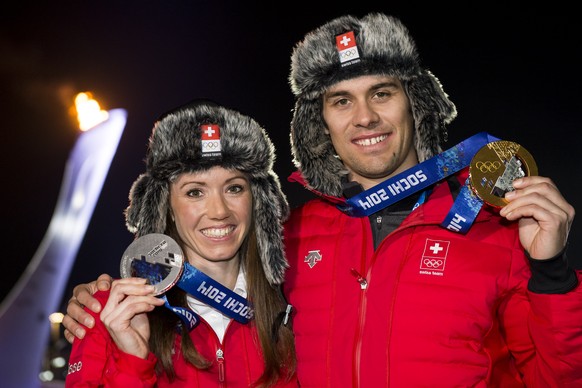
(362, 83)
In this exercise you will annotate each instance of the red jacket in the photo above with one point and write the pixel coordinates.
(428, 308)
(96, 361)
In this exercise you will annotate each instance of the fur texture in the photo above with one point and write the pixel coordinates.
(385, 48)
(175, 148)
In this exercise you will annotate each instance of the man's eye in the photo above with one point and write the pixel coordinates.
(382, 94)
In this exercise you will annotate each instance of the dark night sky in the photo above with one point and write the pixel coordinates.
(512, 73)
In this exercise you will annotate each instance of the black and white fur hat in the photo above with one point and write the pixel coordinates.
(383, 47)
(176, 146)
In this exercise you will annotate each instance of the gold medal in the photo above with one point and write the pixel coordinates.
(155, 257)
(494, 168)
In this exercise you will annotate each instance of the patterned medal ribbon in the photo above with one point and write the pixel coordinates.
(493, 165)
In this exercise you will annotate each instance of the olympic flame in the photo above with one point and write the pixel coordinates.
(89, 113)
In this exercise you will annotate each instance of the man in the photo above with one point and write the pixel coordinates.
(398, 278)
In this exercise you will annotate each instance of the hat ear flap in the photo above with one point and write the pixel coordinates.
(148, 206)
(312, 150)
(431, 110)
(271, 210)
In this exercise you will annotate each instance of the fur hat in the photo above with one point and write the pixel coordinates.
(382, 46)
(178, 145)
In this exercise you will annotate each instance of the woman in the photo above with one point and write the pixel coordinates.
(210, 187)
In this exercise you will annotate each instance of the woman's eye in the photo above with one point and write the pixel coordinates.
(235, 189)
(194, 193)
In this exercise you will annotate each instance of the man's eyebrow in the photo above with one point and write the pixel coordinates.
(387, 84)
(336, 93)
(379, 85)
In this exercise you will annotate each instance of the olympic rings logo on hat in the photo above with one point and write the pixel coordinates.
(346, 54)
(210, 145)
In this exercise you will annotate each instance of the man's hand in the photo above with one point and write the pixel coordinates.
(76, 317)
(544, 216)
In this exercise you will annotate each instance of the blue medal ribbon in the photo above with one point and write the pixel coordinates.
(464, 211)
(188, 317)
(421, 176)
(209, 291)
(214, 294)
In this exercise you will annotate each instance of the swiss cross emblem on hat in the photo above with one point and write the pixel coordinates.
(210, 140)
(210, 132)
(347, 48)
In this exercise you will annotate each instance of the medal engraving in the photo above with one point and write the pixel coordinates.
(494, 168)
(155, 257)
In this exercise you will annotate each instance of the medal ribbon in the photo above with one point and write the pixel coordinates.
(422, 175)
(211, 292)
(189, 317)
(214, 294)
(464, 211)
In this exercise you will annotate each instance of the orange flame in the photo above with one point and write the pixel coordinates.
(89, 113)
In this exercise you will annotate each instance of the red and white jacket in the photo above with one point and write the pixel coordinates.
(428, 308)
(95, 361)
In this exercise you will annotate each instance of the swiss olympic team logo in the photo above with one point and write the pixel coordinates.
(210, 140)
(347, 48)
(434, 256)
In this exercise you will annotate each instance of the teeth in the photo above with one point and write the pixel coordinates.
(372, 141)
(217, 232)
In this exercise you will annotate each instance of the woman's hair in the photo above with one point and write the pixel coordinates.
(276, 340)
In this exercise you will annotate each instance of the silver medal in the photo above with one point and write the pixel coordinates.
(156, 257)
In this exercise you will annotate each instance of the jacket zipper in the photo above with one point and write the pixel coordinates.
(220, 358)
(378, 223)
(363, 286)
(360, 279)
(220, 361)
